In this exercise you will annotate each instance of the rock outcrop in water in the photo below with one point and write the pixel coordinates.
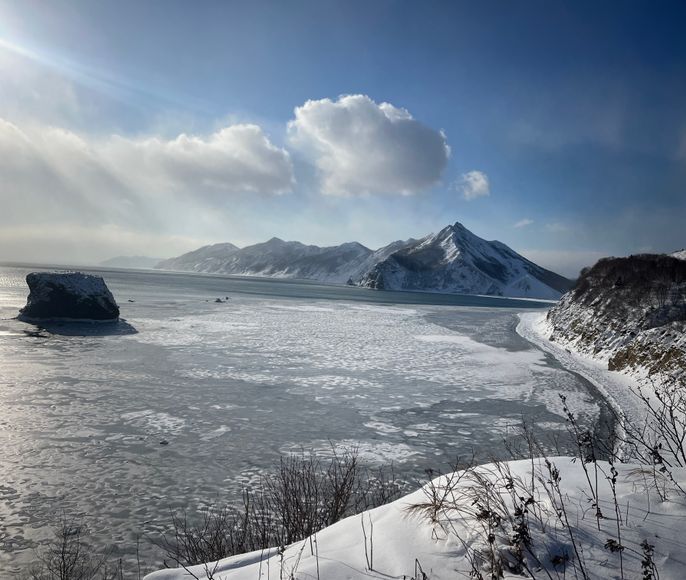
(68, 296)
(630, 312)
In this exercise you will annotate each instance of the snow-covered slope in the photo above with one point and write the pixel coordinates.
(452, 261)
(374, 258)
(456, 261)
(629, 312)
(206, 259)
(564, 538)
(281, 259)
(681, 254)
(275, 258)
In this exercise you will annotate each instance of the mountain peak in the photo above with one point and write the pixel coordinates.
(453, 229)
(354, 245)
(453, 261)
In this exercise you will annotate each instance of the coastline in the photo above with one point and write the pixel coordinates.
(617, 388)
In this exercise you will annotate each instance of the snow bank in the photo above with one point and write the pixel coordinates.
(394, 542)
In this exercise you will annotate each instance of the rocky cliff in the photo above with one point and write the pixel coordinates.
(630, 312)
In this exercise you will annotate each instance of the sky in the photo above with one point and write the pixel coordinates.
(155, 127)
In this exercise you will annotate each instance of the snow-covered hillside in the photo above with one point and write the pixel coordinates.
(452, 261)
(456, 261)
(630, 313)
(522, 519)
(206, 259)
(275, 258)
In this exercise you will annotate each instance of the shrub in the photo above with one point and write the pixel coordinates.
(304, 495)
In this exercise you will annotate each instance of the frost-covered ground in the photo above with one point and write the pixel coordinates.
(618, 389)
(228, 387)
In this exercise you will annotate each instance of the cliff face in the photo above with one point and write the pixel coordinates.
(630, 312)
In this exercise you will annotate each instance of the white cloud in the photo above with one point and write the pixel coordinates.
(523, 223)
(56, 181)
(235, 159)
(51, 172)
(362, 148)
(473, 185)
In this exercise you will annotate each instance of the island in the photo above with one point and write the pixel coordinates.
(69, 296)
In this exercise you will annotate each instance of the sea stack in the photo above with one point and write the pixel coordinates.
(70, 296)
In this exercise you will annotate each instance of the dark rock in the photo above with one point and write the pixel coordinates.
(68, 296)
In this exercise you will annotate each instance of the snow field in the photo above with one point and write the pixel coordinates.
(395, 541)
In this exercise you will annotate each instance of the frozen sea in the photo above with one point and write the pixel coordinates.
(278, 366)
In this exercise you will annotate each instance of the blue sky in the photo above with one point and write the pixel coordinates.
(154, 127)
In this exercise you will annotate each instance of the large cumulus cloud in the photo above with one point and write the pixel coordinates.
(361, 147)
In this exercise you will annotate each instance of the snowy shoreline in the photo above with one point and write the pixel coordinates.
(617, 388)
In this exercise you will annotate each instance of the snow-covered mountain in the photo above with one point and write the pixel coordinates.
(681, 254)
(452, 261)
(275, 258)
(206, 259)
(456, 261)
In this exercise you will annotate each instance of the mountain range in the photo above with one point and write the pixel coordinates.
(452, 261)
